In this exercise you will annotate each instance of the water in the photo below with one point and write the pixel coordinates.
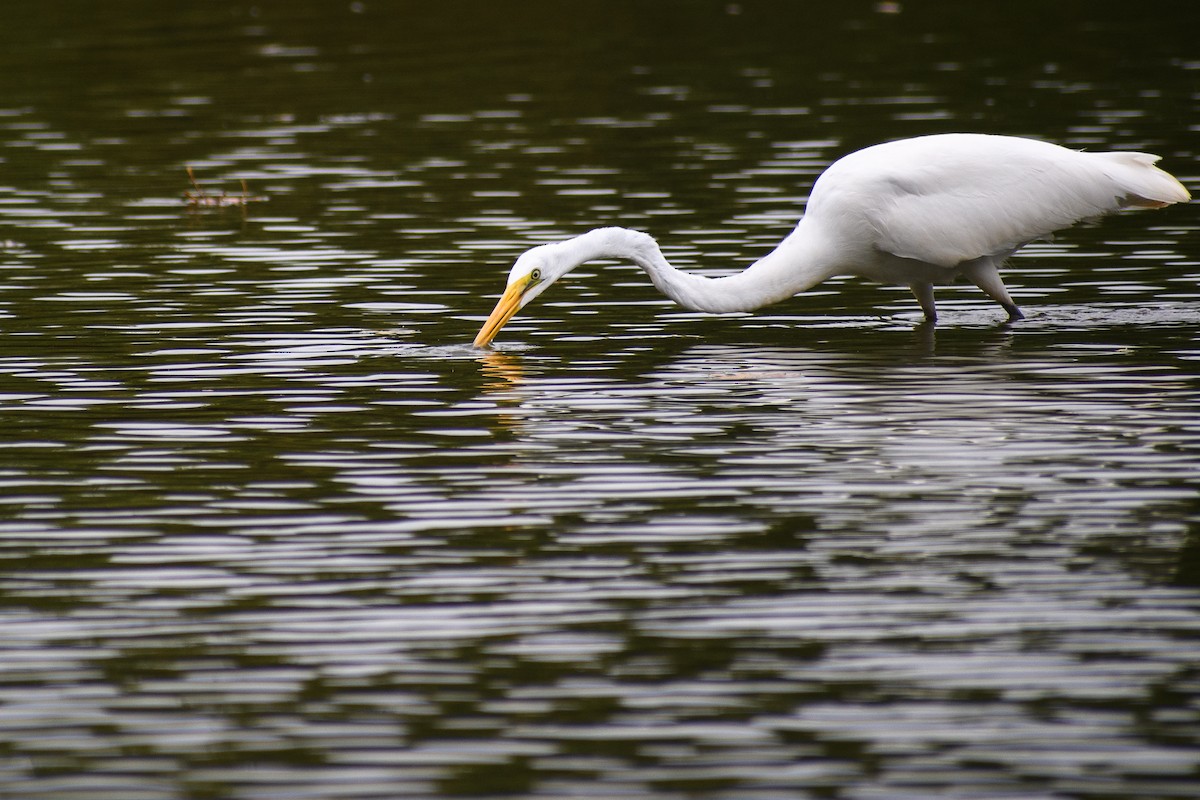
(273, 529)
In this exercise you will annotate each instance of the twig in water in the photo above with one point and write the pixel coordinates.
(202, 199)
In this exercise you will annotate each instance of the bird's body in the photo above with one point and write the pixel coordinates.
(915, 212)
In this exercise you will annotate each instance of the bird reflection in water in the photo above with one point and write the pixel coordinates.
(504, 376)
(504, 371)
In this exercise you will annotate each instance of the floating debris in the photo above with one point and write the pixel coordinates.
(202, 199)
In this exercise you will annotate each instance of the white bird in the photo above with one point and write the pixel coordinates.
(914, 212)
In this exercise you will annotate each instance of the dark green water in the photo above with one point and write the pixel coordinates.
(271, 528)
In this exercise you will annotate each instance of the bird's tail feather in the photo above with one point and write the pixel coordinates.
(1145, 185)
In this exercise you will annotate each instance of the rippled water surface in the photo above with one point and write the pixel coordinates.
(272, 528)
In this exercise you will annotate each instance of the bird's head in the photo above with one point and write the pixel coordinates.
(531, 275)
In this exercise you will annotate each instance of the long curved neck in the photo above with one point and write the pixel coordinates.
(797, 264)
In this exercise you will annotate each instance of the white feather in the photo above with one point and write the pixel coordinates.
(948, 199)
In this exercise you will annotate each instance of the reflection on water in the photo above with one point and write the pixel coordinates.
(736, 565)
(274, 529)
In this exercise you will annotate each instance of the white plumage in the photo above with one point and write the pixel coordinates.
(953, 198)
(914, 212)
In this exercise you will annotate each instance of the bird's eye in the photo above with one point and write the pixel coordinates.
(536, 275)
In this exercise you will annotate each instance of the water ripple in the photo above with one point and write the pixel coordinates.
(275, 529)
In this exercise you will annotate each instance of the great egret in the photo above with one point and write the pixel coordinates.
(914, 212)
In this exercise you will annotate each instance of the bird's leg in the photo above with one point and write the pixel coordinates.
(924, 294)
(984, 274)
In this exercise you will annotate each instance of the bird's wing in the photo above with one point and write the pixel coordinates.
(949, 199)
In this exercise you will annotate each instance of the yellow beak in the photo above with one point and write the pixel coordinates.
(508, 304)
